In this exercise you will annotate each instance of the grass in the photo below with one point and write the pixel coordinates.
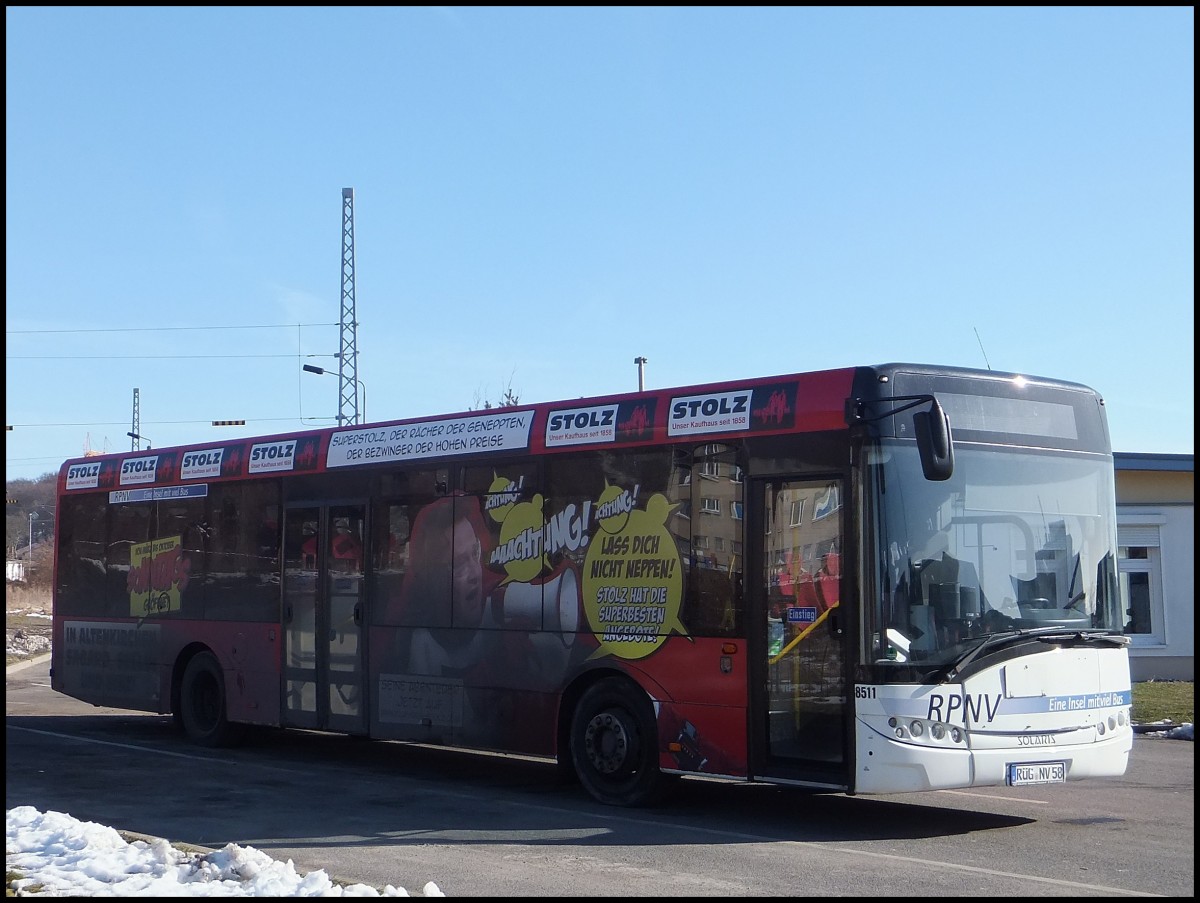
(11, 876)
(1162, 700)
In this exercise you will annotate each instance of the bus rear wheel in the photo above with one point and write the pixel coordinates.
(614, 744)
(202, 704)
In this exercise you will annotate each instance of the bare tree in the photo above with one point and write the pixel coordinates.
(508, 397)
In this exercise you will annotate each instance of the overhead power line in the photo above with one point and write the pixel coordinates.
(141, 357)
(159, 328)
(167, 422)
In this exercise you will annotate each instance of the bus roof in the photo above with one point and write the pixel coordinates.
(723, 411)
(714, 411)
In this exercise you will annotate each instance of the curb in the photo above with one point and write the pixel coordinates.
(28, 663)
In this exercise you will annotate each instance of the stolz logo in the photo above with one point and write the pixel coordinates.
(138, 470)
(83, 476)
(197, 465)
(571, 427)
(717, 413)
(270, 456)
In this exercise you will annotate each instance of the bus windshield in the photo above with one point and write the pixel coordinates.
(1015, 540)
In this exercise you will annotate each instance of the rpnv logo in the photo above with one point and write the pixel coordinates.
(83, 476)
(271, 456)
(197, 465)
(138, 470)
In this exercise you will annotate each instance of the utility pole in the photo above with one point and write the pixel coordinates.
(348, 356)
(136, 431)
(641, 365)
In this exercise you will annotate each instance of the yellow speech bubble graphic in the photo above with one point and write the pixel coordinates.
(613, 507)
(502, 495)
(521, 550)
(633, 581)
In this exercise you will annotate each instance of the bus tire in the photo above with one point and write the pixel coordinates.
(614, 744)
(202, 704)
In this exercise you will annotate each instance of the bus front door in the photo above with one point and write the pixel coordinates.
(802, 678)
(324, 668)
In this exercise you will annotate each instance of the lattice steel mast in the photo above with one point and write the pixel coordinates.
(136, 434)
(348, 356)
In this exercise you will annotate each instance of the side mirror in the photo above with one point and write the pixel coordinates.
(934, 442)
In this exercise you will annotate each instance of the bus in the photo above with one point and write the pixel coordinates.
(873, 579)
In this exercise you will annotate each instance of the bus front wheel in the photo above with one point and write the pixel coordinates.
(614, 744)
(202, 703)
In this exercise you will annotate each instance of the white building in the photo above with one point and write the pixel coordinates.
(1156, 533)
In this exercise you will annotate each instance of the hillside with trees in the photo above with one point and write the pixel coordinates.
(25, 498)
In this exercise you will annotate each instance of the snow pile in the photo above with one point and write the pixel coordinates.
(70, 858)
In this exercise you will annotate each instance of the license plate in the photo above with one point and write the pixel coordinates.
(1037, 773)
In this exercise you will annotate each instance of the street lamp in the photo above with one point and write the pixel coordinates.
(137, 437)
(641, 365)
(359, 385)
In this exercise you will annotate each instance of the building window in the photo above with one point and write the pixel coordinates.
(735, 510)
(1140, 569)
(797, 514)
(710, 505)
(827, 503)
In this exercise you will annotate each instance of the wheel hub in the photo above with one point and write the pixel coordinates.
(606, 742)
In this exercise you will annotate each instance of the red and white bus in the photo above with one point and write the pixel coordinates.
(871, 580)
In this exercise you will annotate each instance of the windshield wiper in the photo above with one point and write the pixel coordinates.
(992, 640)
(1004, 638)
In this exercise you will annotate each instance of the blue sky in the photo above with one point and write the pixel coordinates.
(542, 195)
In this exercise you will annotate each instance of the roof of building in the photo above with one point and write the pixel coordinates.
(1145, 461)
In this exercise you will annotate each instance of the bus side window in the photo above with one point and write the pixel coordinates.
(129, 525)
(389, 559)
(81, 554)
(175, 521)
(390, 538)
(345, 546)
(710, 489)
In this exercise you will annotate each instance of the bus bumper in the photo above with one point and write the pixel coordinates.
(885, 764)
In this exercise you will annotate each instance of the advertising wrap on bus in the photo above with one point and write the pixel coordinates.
(816, 579)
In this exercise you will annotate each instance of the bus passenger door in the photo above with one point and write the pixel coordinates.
(800, 725)
(323, 664)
